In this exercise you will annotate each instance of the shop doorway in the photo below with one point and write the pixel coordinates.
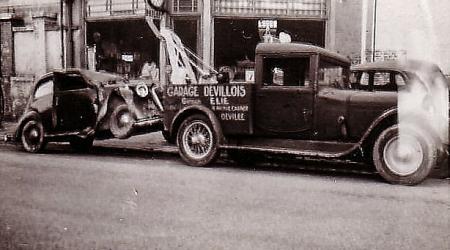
(235, 40)
(122, 47)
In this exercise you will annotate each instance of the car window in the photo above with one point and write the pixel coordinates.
(44, 88)
(292, 72)
(400, 80)
(71, 82)
(384, 81)
(365, 78)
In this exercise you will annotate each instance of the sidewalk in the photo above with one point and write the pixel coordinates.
(149, 142)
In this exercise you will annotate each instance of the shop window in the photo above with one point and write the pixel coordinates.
(185, 6)
(292, 72)
(316, 8)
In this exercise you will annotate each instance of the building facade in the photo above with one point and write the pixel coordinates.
(113, 35)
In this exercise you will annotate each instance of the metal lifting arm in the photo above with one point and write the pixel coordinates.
(180, 58)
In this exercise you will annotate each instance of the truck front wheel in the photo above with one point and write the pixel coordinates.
(197, 141)
(404, 156)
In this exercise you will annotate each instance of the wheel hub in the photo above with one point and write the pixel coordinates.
(403, 156)
(197, 140)
(124, 119)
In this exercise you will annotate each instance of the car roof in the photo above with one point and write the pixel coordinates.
(92, 76)
(398, 65)
(292, 48)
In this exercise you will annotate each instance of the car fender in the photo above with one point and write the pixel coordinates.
(124, 93)
(390, 117)
(32, 114)
(197, 109)
(385, 117)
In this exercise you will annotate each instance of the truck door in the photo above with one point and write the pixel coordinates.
(74, 100)
(284, 99)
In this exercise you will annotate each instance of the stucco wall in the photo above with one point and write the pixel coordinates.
(421, 27)
(348, 27)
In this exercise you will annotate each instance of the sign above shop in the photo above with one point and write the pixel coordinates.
(267, 23)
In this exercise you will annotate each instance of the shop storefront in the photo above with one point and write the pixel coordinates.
(239, 26)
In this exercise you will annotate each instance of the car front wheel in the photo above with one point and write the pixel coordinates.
(122, 121)
(404, 156)
(32, 136)
(197, 141)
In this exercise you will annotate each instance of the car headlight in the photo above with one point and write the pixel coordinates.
(142, 90)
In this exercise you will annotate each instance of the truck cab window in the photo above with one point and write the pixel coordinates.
(332, 75)
(293, 72)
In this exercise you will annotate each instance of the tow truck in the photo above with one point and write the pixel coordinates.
(302, 103)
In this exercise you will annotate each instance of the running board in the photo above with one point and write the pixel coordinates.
(300, 148)
(144, 123)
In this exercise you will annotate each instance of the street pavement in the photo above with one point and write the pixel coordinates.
(119, 198)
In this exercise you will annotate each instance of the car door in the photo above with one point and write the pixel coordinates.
(75, 102)
(284, 100)
(42, 102)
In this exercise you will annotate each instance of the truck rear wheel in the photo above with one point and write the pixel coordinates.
(197, 141)
(405, 160)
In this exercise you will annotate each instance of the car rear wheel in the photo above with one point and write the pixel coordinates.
(404, 158)
(197, 141)
(32, 136)
(82, 145)
(122, 121)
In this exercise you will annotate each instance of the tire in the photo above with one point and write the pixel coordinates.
(168, 138)
(32, 136)
(409, 167)
(81, 145)
(121, 122)
(197, 141)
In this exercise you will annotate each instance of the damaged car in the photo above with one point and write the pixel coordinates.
(79, 106)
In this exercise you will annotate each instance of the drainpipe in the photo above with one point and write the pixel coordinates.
(69, 40)
(61, 26)
(374, 33)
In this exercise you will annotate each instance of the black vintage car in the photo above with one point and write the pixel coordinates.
(304, 103)
(79, 105)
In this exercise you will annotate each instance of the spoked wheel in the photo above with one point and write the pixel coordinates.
(82, 145)
(404, 158)
(122, 121)
(32, 136)
(197, 141)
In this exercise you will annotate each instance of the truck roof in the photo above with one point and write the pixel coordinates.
(293, 48)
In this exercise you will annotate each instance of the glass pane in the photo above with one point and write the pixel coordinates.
(44, 89)
(286, 72)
